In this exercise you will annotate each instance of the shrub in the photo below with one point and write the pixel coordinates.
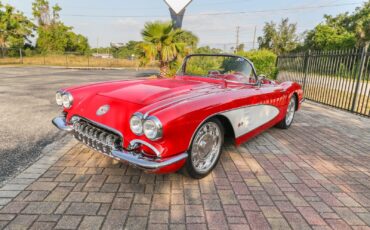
(264, 61)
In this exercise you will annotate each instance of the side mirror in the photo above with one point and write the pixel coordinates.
(260, 79)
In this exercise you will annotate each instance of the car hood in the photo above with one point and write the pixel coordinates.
(152, 91)
(124, 99)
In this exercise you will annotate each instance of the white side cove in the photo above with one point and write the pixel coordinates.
(249, 118)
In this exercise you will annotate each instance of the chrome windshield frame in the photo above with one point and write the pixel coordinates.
(183, 67)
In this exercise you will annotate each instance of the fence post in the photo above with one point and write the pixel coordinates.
(66, 60)
(20, 55)
(359, 76)
(305, 68)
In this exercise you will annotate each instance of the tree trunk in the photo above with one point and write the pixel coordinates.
(163, 69)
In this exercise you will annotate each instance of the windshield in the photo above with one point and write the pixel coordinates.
(225, 67)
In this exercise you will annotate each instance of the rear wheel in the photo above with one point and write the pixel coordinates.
(289, 117)
(205, 149)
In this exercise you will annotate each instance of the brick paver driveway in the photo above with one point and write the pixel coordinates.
(314, 175)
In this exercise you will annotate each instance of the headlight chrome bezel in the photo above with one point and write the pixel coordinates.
(58, 98)
(69, 102)
(158, 132)
(138, 116)
(64, 99)
(157, 124)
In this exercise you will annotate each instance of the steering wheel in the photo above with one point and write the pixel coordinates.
(213, 73)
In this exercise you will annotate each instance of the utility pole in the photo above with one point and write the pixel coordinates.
(237, 38)
(97, 45)
(254, 36)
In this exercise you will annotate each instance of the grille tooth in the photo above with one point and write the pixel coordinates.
(91, 132)
(86, 129)
(81, 128)
(96, 137)
(96, 134)
(102, 137)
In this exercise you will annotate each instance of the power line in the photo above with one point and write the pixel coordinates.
(276, 10)
(157, 8)
(295, 9)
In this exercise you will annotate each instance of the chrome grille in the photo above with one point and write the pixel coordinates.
(96, 137)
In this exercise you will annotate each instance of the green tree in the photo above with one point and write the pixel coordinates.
(240, 48)
(52, 38)
(329, 37)
(15, 28)
(207, 50)
(126, 51)
(361, 24)
(77, 43)
(344, 30)
(159, 43)
(263, 60)
(188, 38)
(280, 38)
(53, 35)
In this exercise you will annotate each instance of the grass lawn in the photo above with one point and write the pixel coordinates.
(71, 61)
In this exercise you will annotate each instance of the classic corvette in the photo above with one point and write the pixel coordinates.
(164, 125)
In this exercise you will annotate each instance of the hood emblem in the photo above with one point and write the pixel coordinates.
(102, 110)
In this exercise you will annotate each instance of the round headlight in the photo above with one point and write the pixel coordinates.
(67, 100)
(58, 98)
(152, 128)
(136, 124)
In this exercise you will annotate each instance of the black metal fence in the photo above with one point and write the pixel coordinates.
(339, 78)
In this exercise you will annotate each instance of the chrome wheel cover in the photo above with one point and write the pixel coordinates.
(290, 111)
(206, 147)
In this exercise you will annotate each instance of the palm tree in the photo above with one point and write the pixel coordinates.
(160, 43)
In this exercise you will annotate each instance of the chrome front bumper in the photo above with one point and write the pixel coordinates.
(131, 157)
(60, 123)
(148, 164)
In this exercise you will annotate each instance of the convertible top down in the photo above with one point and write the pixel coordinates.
(163, 125)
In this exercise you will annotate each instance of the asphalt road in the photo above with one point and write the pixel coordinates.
(27, 106)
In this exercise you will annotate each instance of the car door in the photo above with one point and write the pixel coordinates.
(274, 94)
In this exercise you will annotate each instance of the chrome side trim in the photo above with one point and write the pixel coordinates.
(222, 114)
(60, 123)
(145, 163)
(137, 141)
(250, 118)
(177, 101)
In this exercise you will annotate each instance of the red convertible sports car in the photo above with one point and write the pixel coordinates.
(164, 125)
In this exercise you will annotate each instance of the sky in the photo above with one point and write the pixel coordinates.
(213, 21)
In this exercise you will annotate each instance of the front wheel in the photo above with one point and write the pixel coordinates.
(205, 149)
(289, 117)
